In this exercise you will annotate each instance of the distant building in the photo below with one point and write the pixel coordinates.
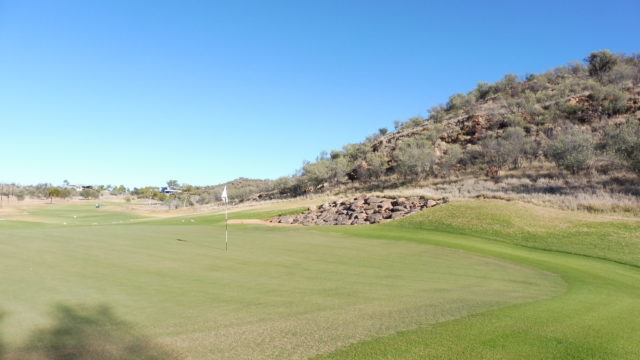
(79, 187)
(169, 190)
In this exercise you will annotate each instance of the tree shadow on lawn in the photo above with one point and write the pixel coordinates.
(87, 332)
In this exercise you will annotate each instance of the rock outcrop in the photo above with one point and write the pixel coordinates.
(359, 211)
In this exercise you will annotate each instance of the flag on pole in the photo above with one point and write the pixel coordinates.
(225, 199)
(224, 196)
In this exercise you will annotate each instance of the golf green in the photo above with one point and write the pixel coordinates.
(277, 293)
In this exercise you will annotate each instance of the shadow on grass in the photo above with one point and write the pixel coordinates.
(2, 347)
(88, 332)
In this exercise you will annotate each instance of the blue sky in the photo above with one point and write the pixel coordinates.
(139, 92)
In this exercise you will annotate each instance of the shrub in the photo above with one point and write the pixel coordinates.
(316, 173)
(338, 169)
(482, 90)
(437, 113)
(89, 194)
(625, 143)
(413, 122)
(601, 62)
(612, 100)
(462, 102)
(451, 158)
(355, 152)
(507, 84)
(571, 150)
(415, 160)
(577, 68)
(507, 150)
(376, 166)
(621, 74)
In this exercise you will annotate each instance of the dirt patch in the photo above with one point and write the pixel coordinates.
(257, 222)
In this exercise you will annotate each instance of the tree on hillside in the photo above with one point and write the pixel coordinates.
(508, 150)
(451, 158)
(625, 143)
(415, 159)
(601, 62)
(571, 150)
(376, 165)
(172, 183)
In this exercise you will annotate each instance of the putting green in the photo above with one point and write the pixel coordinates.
(277, 293)
(596, 318)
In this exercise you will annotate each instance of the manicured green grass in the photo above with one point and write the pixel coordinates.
(278, 293)
(597, 318)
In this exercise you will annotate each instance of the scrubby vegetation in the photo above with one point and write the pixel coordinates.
(583, 119)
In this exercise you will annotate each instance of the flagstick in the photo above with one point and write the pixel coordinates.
(226, 229)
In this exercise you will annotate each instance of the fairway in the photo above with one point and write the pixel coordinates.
(278, 293)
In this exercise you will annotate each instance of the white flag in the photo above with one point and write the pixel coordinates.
(224, 196)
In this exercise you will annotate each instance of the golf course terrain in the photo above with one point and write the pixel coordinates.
(472, 279)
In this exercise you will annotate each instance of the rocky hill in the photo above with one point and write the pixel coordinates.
(576, 125)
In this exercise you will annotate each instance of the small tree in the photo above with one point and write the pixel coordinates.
(415, 160)
(376, 166)
(451, 158)
(317, 172)
(600, 62)
(52, 192)
(625, 143)
(571, 150)
(89, 194)
(506, 150)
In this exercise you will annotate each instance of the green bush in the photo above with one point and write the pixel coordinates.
(621, 74)
(482, 90)
(413, 122)
(601, 62)
(571, 150)
(437, 113)
(612, 100)
(506, 150)
(415, 160)
(451, 158)
(625, 143)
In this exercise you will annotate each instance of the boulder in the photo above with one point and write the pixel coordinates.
(285, 220)
(374, 218)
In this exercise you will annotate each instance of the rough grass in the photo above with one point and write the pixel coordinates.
(278, 293)
(595, 319)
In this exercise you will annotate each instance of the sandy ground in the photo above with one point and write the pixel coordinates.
(257, 222)
(19, 210)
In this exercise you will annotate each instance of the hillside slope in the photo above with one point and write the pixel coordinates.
(576, 127)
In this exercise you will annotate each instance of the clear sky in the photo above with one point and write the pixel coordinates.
(139, 92)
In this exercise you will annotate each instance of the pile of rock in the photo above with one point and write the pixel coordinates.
(359, 210)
